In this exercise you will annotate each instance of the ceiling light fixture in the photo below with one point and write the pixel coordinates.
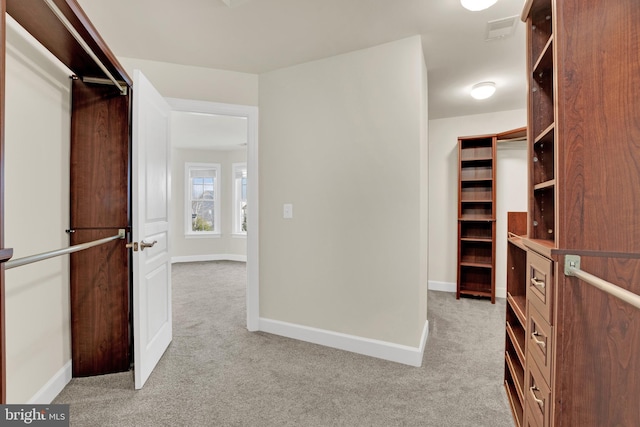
(476, 5)
(483, 90)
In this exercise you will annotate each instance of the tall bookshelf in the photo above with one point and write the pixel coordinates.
(476, 216)
(477, 211)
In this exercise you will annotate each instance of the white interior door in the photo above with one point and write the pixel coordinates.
(152, 322)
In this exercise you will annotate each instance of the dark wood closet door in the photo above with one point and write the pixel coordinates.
(99, 207)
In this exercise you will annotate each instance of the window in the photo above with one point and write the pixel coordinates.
(202, 195)
(240, 198)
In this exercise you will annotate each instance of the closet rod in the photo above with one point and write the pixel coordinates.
(46, 255)
(63, 19)
(572, 268)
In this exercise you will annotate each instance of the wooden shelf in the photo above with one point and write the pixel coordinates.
(41, 23)
(475, 264)
(546, 184)
(545, 132)
(541, 246)
(517, 241)
(545, 60)
(476, 179)
(518, 304)
(516, 405)
(475, 293)
(518, 340)
(476, 239)
(487, 218)
(517, 374)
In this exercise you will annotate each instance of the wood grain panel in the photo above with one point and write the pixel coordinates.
(599, 124)
(599, 346)
(99, 157)
(99, 305)
(99, 206)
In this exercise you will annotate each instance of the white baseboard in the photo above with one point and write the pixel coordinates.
(442, 286)
(369, 347)
(211, 257)
(53, 387)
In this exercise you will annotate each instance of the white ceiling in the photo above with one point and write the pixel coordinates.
(256, 36)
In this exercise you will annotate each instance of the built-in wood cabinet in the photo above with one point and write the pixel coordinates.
(582, 345)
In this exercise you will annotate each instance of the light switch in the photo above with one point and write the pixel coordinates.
(287, 211)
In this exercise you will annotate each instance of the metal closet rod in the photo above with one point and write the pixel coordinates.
(75, 248)
(63, 19)
(572, 268)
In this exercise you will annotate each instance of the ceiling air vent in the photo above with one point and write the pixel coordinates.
(501, 28)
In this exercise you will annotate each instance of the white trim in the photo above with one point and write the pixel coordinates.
(369, 347)
(211, 257)
(251, 113)
(53, 387)
(442, 286)
(203, 235)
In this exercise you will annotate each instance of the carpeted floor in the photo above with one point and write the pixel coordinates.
(216, 373)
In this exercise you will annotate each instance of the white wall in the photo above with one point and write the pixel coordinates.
(38, 337)
(226, 246)
(443, 195)
(197, 83)
(343, 139)
(511, 195)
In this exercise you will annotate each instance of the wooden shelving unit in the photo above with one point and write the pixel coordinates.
(584, 175)
(516, 321)
(477, 212)
(476, 216)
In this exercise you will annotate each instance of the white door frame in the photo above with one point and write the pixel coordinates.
(251, 114)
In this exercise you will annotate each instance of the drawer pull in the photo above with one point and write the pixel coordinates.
(537, 282)
(540, 402)
(535, 336)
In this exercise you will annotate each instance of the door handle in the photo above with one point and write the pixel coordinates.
(144, 244)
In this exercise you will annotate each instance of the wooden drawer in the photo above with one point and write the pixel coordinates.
(537, 397)
(540, 284)
(540, 342)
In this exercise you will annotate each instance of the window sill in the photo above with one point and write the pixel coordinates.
(202, 236)
(239, 235)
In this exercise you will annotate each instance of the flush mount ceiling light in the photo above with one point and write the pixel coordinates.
(483, 90)
(476, 5)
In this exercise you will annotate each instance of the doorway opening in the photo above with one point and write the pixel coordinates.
(233, 131)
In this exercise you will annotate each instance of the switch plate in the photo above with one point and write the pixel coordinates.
(287, 211)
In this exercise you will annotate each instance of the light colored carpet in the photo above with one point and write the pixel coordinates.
(216, 373)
